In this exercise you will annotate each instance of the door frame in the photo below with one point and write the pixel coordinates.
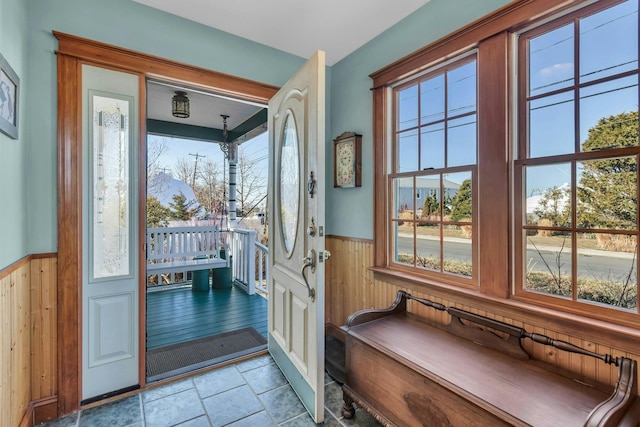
(72, 52)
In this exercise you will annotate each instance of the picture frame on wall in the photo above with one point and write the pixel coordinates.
(9, 95)
(347, 159)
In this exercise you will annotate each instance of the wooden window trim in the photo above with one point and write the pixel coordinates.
(445, 277)
(522, 160)
(72, 52)
(490, 35)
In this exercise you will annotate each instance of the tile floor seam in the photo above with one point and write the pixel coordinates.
(142, 417)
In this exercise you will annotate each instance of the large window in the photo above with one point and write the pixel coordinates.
(434, 172)
(576, 166)
(507, 164)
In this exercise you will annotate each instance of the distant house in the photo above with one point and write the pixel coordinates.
(407, 193)
(164, 187)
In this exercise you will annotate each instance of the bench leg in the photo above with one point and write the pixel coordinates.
(348, 410)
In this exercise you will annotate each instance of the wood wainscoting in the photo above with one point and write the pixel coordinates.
(28, 350)
(351, 285)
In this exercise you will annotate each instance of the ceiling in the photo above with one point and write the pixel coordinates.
(338, 27)
(299, 27)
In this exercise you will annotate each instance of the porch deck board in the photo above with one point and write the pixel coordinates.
(180, 315)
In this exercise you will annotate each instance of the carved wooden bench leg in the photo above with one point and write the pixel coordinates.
(348, 410)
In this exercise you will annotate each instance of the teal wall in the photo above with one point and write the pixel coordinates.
(130, 25)
(28, 166)
(14, 163)
(350, 211)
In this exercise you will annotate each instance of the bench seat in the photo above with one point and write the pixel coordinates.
(186, 265)
(181, 249)
(409, 372)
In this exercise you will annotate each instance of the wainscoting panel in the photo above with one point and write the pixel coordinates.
(43, 325)
(15, 339)
(351, 286)
(28, 350)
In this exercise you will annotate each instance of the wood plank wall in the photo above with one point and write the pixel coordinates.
(351, 286)
(27, 337)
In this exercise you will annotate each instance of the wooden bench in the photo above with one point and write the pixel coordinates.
(473, 371)
(174, 249)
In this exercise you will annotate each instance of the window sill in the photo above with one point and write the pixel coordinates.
(613, 334)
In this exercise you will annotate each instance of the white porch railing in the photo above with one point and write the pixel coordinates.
(250, 265)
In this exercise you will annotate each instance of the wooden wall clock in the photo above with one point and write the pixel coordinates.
(347, 159)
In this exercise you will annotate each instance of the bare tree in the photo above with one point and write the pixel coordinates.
(156, 147)
(183, 169)
(251, 185)
(209, 188)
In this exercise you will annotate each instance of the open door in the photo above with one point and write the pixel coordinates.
(296, 232)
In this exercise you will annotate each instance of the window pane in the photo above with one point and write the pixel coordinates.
(607, 269)
(110, 187)
(614, 31)
(408, 108)
(461, 90)
(457, 252)
(432, 147)
(428, 245)
(403, 244)
(609, 114)
(403, 198)
(551, 125)
(607, 193)
(432, 99)
(548, 195)
(408, 151)
(429, 187)
(548, 265)
(461, 141)
(458, 192)
(551, 61)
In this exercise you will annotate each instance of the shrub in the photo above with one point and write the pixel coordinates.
(544, 222)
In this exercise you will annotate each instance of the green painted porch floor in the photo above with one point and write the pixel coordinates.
(180, 315)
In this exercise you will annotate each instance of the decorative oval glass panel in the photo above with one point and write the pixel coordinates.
(289, 183)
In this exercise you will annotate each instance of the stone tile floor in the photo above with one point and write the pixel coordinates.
(252, 393)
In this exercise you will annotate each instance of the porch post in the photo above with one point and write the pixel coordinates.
(233, 161)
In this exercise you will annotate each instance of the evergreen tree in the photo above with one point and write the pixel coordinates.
(461, 202)
(607, 195)
(431, 205)
(157, 215)
(554, 205)
(181, 209)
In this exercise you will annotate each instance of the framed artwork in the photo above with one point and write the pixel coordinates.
(9, 93)
(347, 159)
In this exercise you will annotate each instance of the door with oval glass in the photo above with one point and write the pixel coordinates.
(296, 237)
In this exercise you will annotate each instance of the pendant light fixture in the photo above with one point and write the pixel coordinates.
(180, 105)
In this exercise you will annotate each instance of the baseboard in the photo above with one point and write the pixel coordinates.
(27, 418)
(45, 409)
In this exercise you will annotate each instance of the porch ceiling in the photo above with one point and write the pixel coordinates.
(245, 120)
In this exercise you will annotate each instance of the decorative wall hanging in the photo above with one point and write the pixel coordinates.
(347, 159)
(9, 93)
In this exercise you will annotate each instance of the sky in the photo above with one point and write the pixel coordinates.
(255, 149)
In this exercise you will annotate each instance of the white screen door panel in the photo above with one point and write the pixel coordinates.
(109, 231)
(296, 203)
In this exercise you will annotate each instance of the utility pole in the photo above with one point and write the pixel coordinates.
(195, 168)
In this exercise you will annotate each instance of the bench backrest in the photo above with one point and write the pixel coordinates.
(182, 243)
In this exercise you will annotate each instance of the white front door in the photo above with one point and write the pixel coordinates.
(296, 236)
(110, 354)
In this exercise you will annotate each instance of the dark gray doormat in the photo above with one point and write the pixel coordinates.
(177, 359)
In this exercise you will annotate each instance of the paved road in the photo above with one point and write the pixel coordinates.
(593, 263)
